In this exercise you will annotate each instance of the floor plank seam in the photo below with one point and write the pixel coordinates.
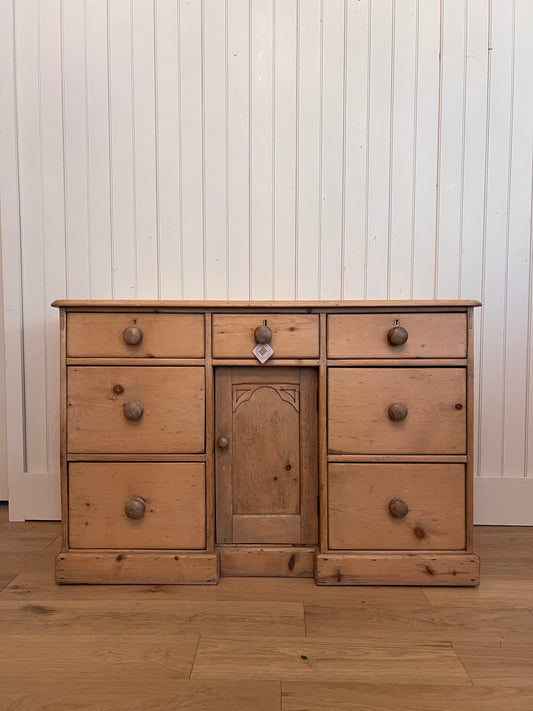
(194, 656)
(462, 664)
(3, 586)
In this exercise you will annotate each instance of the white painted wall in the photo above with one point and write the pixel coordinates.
(270, 149)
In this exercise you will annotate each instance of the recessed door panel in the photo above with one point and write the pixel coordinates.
(266, 462)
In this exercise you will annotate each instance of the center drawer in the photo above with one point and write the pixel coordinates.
(137, 505)
(397, 410)
(293, 335)
(135, 409)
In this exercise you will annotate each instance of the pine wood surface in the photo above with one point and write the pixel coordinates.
(358, 403)
(163, 335)
(293, 335)
(276, 305)
(264, 644)
(255, 506)
(174, 496)
(363, 491)
(365, 335)
(173, 419)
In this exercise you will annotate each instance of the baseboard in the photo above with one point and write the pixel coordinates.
(500, 501)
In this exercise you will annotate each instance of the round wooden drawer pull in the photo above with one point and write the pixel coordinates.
(262, 334)
(398, 411)
(398, 508)
(223, 442)
(132, 335)
(135, 508)
(397, 336)
(133, 410)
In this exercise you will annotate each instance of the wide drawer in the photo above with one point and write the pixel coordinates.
(137, 505)
(293, 335)
(363, 401)
(429, 335)
(396, 506)
(168, 403)
(135, 335)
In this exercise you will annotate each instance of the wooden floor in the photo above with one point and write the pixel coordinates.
(264, 644)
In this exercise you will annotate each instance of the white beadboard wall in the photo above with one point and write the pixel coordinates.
(269, 149)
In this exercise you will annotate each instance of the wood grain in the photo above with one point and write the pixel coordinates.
(137, 568)
(100, 335)
(358, 402)
(261, 304)
(400, 568)
(173, 418)
(494, 592)
(255, 561)
(266, 476)
(365, 335)
(414, 623)
(293, 335)
(151, 617)
(133, 691)
(324, 696)
(505, 662)
(327, 660)
(34, 652)
(173, 493)
(434, 494)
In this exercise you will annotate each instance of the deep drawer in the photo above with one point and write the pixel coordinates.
(135, 335)
(433, 335)
(360, 414)
(170, 418)
(101, 493)
(396, 506)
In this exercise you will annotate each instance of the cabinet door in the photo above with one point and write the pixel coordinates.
(266, 455)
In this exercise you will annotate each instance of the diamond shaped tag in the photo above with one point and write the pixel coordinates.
(262, 352)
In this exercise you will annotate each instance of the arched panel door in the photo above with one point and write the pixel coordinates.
(266, 459)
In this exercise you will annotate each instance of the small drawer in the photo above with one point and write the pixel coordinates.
(293, 335)
(397, 410)
(135, 409)
(431, 335)
(137, 505)
(396, 506)
(135, 335)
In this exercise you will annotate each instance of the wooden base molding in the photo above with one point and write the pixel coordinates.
(282, 562)
(135, 568)
(398, 569)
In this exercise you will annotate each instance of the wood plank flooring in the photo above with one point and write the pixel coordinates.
(256, 644)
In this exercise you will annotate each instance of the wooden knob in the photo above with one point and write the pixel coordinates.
(397, 336)
(397, 411)
(398, 508)
(132, 335)
(223, 442)
(135, 508)
(262, 334)
(133, 410)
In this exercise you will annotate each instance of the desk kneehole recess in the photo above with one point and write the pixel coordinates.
(297, 439)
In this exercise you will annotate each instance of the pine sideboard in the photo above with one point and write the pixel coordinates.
(329, 440)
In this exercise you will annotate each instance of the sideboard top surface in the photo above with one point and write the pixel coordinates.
(262, 305)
